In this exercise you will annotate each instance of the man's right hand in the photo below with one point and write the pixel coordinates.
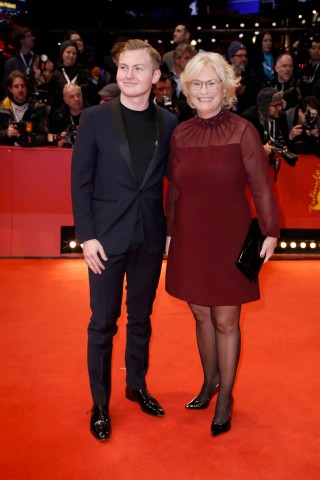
(12, 131)
(267, 148)
(92, 249)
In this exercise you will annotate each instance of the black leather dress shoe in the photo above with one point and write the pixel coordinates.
(147, 403)
(100, 425)
(195, 404)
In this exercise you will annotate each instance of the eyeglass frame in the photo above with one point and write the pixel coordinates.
(277, 105)
(214, 84)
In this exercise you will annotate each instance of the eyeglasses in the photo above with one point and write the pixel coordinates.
(312, 113)
(210, 84)
(277, 106)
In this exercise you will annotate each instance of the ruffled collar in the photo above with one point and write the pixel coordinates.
(210, 122)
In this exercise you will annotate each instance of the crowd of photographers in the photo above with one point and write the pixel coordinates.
(42, 99)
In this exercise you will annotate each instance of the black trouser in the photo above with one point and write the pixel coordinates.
(142, 271)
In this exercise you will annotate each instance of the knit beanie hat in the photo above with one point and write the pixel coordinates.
(265, 97)
(234, 47)
(66, 44)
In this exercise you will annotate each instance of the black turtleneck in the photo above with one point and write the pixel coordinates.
(142, 136)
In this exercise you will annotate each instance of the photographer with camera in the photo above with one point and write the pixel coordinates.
(270, 121)
(303, 126)
(163, 91)
(64, 122)
(310, 73)
(285, 82)
(43, 88)
(23, 120)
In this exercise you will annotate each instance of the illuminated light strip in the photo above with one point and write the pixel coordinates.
(13, 6)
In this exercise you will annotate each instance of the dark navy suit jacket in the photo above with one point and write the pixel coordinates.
(106, 197)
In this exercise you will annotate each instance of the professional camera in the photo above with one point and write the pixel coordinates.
(166, 102)
(279, 149)
(70, 135)
(289, 157)
(23, 127)
(311, 121)
(41, 95)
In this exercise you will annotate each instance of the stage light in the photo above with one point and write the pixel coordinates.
(298, 243)
(68, 242)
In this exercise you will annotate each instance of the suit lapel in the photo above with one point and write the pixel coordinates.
(121, 134)
(159, 136)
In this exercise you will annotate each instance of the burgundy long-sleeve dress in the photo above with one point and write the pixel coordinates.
(208, 212)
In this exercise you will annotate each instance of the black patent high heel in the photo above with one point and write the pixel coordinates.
(196, 405)
(218, 428)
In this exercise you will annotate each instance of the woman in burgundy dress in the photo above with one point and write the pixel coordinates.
(214, 156)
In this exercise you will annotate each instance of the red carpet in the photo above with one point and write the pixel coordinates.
(45, 393)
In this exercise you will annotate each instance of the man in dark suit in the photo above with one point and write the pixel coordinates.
(118, 164)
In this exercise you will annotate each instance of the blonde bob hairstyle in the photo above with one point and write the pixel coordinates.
(223, 69)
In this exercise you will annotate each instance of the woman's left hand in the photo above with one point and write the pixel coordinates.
(268, 247)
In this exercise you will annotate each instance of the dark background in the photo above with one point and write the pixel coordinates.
(102, 22)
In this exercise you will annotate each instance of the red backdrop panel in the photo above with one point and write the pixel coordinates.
(35, 198)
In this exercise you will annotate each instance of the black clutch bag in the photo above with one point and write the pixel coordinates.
(249, 261)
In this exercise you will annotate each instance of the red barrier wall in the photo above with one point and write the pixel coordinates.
(35, 198)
